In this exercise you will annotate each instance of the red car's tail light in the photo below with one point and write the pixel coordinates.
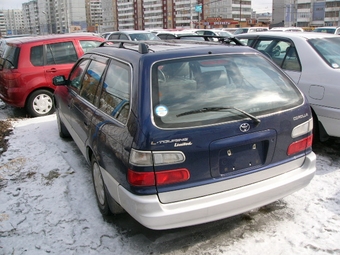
(300, 145)
(10, 75)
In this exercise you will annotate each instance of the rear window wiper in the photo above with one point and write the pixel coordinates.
(216, 109)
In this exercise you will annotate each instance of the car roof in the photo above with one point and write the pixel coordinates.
(132, 32)
(306, 35)
(39, 38)
(125, 49)
(327, 27)
(182, 32)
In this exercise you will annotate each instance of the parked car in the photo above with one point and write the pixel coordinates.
(183, 35)
(184, 133)
(229, 29)
(28, 65)
(216, 32)
(329, 30)
(287, 29)
(133, 35)
(312, 60)
(106, 35)
(245, 30)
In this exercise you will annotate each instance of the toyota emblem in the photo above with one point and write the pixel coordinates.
(244, 127)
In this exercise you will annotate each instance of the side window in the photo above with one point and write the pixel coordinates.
(281, 52)
(123, 37)
(37, 55)
(162, 36)
(291, 61)
(91, 80)
(77, 73)
(88, 45)
(61, 53)
(115, 97)
(113, 37)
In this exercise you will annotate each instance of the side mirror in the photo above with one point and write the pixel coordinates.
(59, 80)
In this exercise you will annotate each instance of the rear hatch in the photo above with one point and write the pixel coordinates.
(8, 64)
(227, 120)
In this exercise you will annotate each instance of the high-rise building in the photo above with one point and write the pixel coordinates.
(62, 16)
(2, 24)
(14, 22)
(306, 13)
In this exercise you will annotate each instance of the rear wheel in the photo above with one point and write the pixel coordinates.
(40, 103)
(99, 188)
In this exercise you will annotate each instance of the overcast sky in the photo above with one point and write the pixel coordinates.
(257, 5)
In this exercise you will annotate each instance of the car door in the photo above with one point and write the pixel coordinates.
(283, 53)
(59, 59)
(83, 103)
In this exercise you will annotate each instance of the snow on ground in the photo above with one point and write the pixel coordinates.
(47, 206)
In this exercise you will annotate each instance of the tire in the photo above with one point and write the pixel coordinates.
(99, 188)
(63, 132)
(40, 103)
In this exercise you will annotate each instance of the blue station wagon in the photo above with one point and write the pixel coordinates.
(183, 133)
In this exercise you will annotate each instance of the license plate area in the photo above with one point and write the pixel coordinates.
(240, 154)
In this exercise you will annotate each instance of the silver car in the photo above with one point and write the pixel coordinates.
(312, 60)
(133, 35)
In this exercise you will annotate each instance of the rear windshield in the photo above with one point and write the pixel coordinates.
(215, 89)
(328, 49)
(9, 57)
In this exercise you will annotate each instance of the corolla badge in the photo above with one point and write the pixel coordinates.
(244, 127)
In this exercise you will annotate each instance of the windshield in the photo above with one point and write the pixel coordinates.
(214, 89)
(328, 49)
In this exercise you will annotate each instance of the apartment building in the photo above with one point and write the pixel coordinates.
(3, 30)
(62, 16)
(306, 13)
(14, 22)
(30, 15)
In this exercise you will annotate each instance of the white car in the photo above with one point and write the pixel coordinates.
(312, 60)
(287, 29)
(329, 30)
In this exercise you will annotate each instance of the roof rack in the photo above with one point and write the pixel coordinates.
(143, 48)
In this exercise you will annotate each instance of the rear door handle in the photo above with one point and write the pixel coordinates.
(52, 70)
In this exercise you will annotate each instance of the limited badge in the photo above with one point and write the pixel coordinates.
(161, 110)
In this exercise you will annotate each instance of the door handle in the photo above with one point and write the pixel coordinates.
(52, 70)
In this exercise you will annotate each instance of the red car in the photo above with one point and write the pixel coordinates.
(27, 66)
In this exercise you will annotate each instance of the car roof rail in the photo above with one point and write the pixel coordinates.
(143, 48)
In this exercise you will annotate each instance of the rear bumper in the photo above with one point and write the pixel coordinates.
(151, 213)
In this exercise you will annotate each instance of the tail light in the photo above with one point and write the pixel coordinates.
(157, 158)
(11, 75)
(304, 143)
(300, 145)
(158, 178)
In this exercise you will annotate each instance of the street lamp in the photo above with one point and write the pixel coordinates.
(48, 21)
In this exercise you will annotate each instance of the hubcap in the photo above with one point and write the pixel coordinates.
(42, 103)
